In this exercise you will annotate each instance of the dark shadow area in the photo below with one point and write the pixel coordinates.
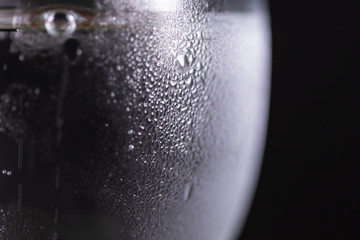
(308, 187)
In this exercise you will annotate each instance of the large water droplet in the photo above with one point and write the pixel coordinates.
(182, 61)
(60, 23)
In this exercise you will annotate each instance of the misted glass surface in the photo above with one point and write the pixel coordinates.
(130, 120)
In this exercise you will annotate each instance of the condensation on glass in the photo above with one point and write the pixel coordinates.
(127, 119)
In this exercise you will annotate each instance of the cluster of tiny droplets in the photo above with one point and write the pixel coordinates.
(157, 81)
(154, 85)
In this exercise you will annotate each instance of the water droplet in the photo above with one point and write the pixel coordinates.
(187, 191)
(60, 23)
(37, 91)
(21, 57)
(182, 61)
(131, 147)
(189, 81)
(173, 83)
(183, 109)
(106, 125)
(6, 172)
(112, 94)
(191, 59)
(130, 131)
(79, 52)
(198, 66)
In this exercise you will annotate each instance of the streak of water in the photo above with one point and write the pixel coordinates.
(20, 166)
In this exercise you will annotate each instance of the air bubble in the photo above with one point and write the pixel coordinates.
(60, 23)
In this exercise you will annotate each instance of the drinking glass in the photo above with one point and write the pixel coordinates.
(140, 119)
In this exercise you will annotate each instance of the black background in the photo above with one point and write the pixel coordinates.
(309, 186)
